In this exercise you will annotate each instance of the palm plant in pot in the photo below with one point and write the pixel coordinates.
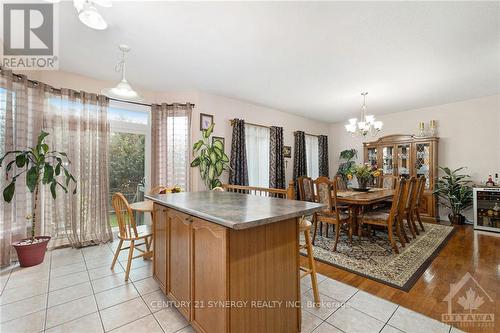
(41, 167)
(347, 157)
(455, 193)
(210, 159)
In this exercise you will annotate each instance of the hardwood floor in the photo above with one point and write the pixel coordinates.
(467, 251)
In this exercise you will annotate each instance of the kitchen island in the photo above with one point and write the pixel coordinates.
(229, 261)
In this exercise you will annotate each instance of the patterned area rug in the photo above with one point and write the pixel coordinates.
(373, 258)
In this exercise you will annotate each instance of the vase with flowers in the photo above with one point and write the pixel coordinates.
(364, 173)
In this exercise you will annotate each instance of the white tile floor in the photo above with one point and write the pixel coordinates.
(75, 291)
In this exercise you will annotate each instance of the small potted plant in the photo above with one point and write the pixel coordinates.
(210, 159)
(41, 167)
(364, 173)
(456, 193)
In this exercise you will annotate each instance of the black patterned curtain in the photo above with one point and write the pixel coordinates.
(299, 158)
(323, 155)
(276, 158)
(238, 174)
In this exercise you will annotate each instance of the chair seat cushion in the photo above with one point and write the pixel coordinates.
(342, 215)
(376, 215)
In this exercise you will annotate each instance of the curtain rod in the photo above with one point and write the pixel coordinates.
(316, 135)
(57, 90)
(263, 126)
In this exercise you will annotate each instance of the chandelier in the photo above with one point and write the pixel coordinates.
(366, 125)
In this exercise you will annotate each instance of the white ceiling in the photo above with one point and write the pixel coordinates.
(307, 58)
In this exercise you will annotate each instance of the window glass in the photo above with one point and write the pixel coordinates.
(257, 147)
(312, 156)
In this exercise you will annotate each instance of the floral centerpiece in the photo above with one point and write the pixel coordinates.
(364, 173)
(174, 189)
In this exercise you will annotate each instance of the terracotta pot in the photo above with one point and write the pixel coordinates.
(456, 219)
(31, 254)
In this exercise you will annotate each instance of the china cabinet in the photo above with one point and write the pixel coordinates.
(405, 156)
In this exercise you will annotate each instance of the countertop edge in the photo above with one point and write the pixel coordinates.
(236, 226)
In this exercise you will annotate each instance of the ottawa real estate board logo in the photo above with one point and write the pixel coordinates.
(468, 304)
(29, 36)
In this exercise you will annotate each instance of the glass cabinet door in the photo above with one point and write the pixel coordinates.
(422, 161)
(403, 160)
(388, 160)
(372, 157)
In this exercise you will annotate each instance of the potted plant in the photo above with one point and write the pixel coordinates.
(210, 159)
(363, 173)
(347, 156)
(456, 194)
(41, 167)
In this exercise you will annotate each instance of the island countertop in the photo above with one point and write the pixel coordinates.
(235, 210)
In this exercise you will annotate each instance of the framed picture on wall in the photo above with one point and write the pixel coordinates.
(287, 151)
(205, 121)
(221, 139)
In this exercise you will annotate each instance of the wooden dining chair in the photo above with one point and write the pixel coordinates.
(389, 219)
(410, 198)
(306, 193)
(419, 200)
(306, 189)
(327, 194)
(130, 232)
(388, 182)
(341, 183)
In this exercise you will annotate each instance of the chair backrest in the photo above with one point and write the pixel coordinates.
(397, 206)
(124, 216)
(410, 193)
(420, 191)
(324, 191)
(388, 182)
(341, 183)
(306, 189)
(157, 189)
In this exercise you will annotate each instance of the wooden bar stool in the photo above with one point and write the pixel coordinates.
(130, 232)
(305, 227)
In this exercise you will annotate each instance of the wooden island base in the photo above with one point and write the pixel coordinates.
(228, 280)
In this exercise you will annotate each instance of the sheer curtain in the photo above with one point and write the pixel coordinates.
(21, 107)
(78, 125)
(257, 146)
(170, 145)
(312, 156)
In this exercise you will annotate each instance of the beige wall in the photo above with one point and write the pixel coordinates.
(469, 134)
(223, 108)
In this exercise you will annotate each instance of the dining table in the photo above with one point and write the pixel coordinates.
(358, 200)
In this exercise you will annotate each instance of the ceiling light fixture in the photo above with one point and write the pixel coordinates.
(123, 90)
(88, 14)
(367, 123)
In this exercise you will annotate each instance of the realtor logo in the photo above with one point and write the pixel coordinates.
(29, 36)
(465, 300)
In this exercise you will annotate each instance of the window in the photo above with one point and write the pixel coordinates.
(129, 152)
(257, 146)
(312, 158)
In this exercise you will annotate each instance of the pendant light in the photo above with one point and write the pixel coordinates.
(123, 90)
